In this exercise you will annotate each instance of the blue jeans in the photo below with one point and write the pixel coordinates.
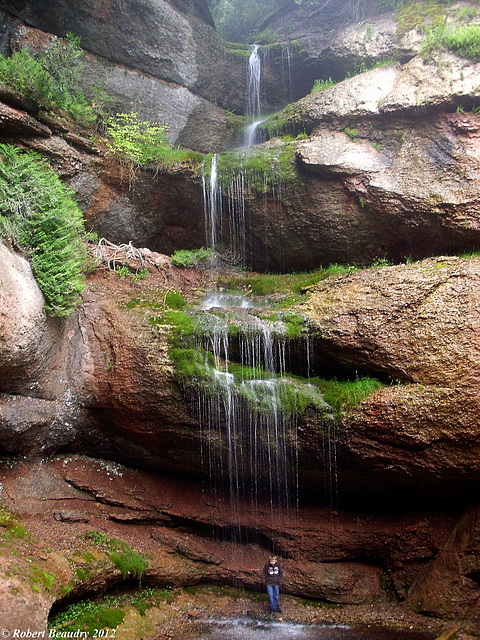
(273, 593)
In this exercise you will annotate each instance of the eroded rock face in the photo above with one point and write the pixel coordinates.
(438, 587)
(372, 185)
(59, 501)
(159, 209)
(422, 323)
(413, 322)
(174, 43)
(332, 39)
(181, 109)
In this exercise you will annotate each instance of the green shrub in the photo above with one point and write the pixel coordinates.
(96, 537)
(320, 85)
(62, 61)
(38, 577)
(285, 283)
(467, 13)
(346, 394)
(174, 300)
(26, 75)
(88, 616)
(129, 562)
(351, 133)
(464, 40)
(139, 143)
(260, 168)
(14, 528)
(52, 80)
(39, 213)
(192, 258)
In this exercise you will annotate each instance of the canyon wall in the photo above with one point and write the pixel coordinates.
(385, 167)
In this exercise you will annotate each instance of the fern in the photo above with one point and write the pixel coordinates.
(39, 213)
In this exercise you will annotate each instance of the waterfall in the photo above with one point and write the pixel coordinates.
(286, 56)
(245, 429)
(234, 357)
(253, 104)
(211, 204)
(253, 83)
(225, 198)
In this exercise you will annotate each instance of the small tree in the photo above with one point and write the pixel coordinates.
(138, 142)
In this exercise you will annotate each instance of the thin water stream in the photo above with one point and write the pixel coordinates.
(254, 108)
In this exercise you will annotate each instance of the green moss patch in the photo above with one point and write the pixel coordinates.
(261, 168)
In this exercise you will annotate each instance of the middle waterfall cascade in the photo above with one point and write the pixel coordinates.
(216, 211)
(211, 205)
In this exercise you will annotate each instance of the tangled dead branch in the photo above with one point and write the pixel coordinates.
(114, 256)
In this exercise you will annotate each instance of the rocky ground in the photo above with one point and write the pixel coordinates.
(188, 613)
(60, 516)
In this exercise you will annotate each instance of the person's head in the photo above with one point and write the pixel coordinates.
(273, 559)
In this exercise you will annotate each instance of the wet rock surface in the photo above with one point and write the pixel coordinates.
(59, 501)
(387, 168)
(176, 45)
(418, 436)
(411, 324)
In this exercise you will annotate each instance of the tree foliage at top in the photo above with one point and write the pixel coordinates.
(239, 20)
(39, 214)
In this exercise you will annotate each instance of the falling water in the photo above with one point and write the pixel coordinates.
(253, 83)
(254, 109)
(286, 59)
(249, 437)
(243, 423)
(211, 204)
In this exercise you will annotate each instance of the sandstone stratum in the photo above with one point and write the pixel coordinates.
(101, 437)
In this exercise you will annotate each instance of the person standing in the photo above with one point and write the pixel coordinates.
(272, 577)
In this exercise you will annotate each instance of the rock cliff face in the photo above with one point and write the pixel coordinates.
(387, 167)
(173, 42)
(418, 436)
(181, 108)
(387, 170)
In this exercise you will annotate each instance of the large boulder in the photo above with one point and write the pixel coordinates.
(414, 326)
(388, 170)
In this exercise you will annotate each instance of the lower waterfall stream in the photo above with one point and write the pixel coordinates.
(247, 404)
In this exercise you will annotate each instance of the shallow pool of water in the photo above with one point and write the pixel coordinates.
(255, 629)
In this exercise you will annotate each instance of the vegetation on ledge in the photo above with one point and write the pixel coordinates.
(201, 368)
(136, 143)
(260, 169)
(51, 79)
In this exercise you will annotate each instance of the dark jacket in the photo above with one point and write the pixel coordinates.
(272, 574)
